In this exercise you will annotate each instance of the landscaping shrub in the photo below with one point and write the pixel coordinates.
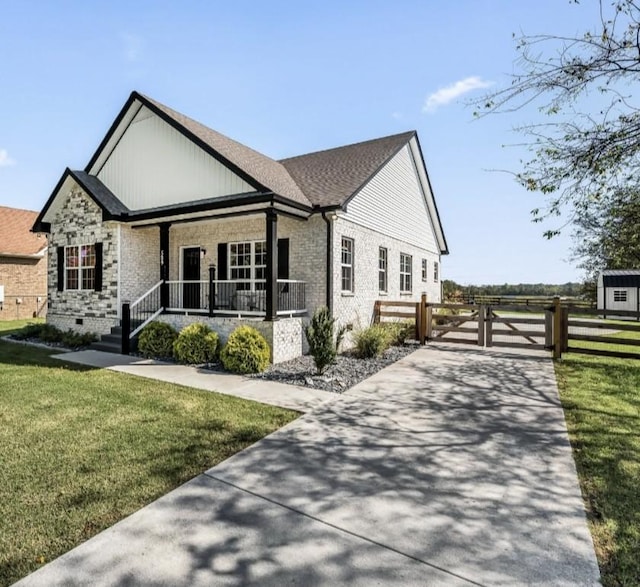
(196, 344)
(246, 351)
(50, 334)
(398, 332)
(323, 342)
(372, 342)
(156, 340)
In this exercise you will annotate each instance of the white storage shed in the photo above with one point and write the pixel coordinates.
(619, 289)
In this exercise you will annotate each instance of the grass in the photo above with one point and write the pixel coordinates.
(601, 399)
(82, 448)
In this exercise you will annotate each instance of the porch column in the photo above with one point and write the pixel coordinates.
(272, 265)
(164, 263)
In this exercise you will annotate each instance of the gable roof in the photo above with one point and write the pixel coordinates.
(16, 240)
(310, 183)
(621, 278)
(262, 172)
(331, 177)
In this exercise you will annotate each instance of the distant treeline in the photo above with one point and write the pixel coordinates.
(453, 289)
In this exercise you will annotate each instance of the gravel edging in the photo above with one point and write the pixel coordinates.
(342, 375)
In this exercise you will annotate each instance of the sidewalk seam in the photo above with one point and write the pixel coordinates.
(345, 531)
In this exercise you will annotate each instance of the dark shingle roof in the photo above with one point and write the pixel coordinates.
(331, 177)
(102, 195)
(15, 235)
(263, 170)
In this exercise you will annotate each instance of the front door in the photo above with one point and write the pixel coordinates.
(191, 272)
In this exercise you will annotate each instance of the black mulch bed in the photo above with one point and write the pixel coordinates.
(345, 373)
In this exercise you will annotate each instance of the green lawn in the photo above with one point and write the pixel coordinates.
(82, 448)
(601, 399)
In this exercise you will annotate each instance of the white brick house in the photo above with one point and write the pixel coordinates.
(171, 220)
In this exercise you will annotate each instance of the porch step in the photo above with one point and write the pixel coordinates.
(109, 343)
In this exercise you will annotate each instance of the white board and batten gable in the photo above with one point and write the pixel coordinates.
(397, 201)
(152, 165)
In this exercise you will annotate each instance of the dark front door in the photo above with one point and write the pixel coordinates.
(191, 272)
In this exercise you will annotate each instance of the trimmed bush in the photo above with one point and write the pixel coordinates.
(29, 331)
(323, 344)
(156, 340)
(74, 339)
(246, 351)
(196, 344)
(371, 342)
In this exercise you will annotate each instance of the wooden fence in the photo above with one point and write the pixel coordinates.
(559, 327)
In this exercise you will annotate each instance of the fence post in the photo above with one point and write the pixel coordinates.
(418, 322)
(557, 328)
(376, 312)
(126, 328)
(423, 318)
(489, 327)
(481, 319)
(428, 333)
(548, 328)
(565, 330)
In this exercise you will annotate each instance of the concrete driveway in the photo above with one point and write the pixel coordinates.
(451, 467)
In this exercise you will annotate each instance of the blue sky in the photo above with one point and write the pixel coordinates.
(292, 77)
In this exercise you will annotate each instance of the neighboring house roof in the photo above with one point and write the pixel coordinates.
(331, 177)
(621, 278)
(16, 240)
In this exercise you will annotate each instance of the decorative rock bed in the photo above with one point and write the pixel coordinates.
(345, 373)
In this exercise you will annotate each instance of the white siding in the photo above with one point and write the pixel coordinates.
(154, 165)
(393, 203)
(630, 304)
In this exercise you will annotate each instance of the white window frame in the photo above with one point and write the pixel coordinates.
(424, 270)
(406, 273)
(255, 283)
(383, 269)
(347, 256)
(80, 267)
(436, 271)
(620, 295)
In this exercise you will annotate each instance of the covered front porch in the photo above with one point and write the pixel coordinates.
(226, 266)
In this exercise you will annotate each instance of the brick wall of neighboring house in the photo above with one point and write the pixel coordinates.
(25, 287)
(357, 308)
(79, 222)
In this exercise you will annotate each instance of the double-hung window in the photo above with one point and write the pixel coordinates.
(424, 270)
(383, 255)
(435, 271)
(405, 273)
(247, 264)
(80, 267)
(347, 264)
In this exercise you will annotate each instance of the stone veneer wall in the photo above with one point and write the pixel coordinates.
(79, 222)
(25, 287)
(284, 336)
(357, 308)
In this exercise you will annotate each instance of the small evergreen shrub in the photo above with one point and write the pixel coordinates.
(196, 344)
(156, 340)
(50, 334)
(246, 351)
(29, 331)
(371, 342)
(323, 342)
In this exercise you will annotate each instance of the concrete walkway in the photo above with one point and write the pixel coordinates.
(301, 399)
(450, 467)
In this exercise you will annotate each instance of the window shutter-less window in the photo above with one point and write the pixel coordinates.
(98, 274)
(283, 258)
(60, 268)
(222, 261)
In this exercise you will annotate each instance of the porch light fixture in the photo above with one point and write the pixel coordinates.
(203, 253)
